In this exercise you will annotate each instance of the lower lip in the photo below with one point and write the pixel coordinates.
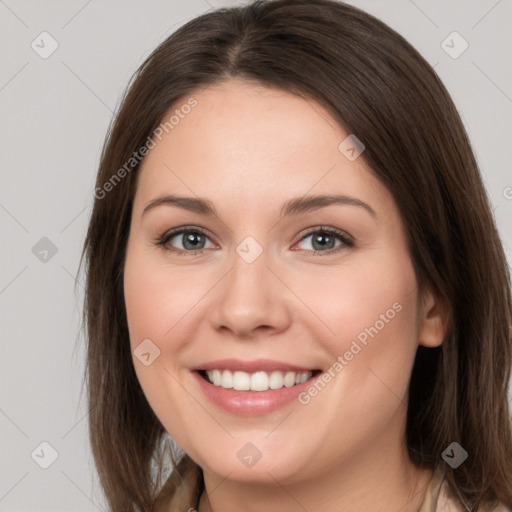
(251, 403)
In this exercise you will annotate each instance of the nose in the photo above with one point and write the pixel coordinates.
(251, 300)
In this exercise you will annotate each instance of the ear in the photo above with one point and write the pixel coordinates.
(433, 319)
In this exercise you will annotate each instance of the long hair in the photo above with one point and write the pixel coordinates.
(377, 86)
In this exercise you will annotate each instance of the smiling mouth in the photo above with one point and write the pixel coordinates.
(257, 381)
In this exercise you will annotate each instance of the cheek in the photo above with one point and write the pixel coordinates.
(371, 314)
(157, 297)
(161, 301)
(372, 311)
(353, 297)
(154, 308)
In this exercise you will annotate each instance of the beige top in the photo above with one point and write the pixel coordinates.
(439, 498)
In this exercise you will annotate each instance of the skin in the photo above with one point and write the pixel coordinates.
(248, 149)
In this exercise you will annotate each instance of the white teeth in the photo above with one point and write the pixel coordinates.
(216, 377)
(226, 380)
(259, 381)
(289, 379)
(241, 381)
(276, 380)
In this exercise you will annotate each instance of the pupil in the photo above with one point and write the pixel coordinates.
(190, 239)
(324, 237)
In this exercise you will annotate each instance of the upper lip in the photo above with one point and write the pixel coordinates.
(266, 365)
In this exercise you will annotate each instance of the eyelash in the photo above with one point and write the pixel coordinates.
(165, 237)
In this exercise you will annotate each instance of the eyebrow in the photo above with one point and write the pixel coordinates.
(294, 206)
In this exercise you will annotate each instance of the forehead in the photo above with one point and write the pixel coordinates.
(241, 117)
(242, 140)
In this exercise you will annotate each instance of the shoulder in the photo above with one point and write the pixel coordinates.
(448, 503)
(182, 490)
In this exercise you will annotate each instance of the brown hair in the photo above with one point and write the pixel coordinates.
(378, 87)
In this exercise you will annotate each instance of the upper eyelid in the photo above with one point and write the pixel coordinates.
(328, 229)
(167, 235)
(184, 229)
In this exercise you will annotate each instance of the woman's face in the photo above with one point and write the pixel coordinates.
(263, 297)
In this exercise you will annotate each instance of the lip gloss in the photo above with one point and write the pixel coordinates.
(250, 403)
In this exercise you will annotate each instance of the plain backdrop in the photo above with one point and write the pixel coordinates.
(54, 113)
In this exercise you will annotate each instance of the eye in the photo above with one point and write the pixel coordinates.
(192, 240)
(323, 240)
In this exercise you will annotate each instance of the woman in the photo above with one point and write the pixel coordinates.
(294, 274)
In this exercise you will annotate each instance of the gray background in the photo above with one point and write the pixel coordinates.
(54, 115)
